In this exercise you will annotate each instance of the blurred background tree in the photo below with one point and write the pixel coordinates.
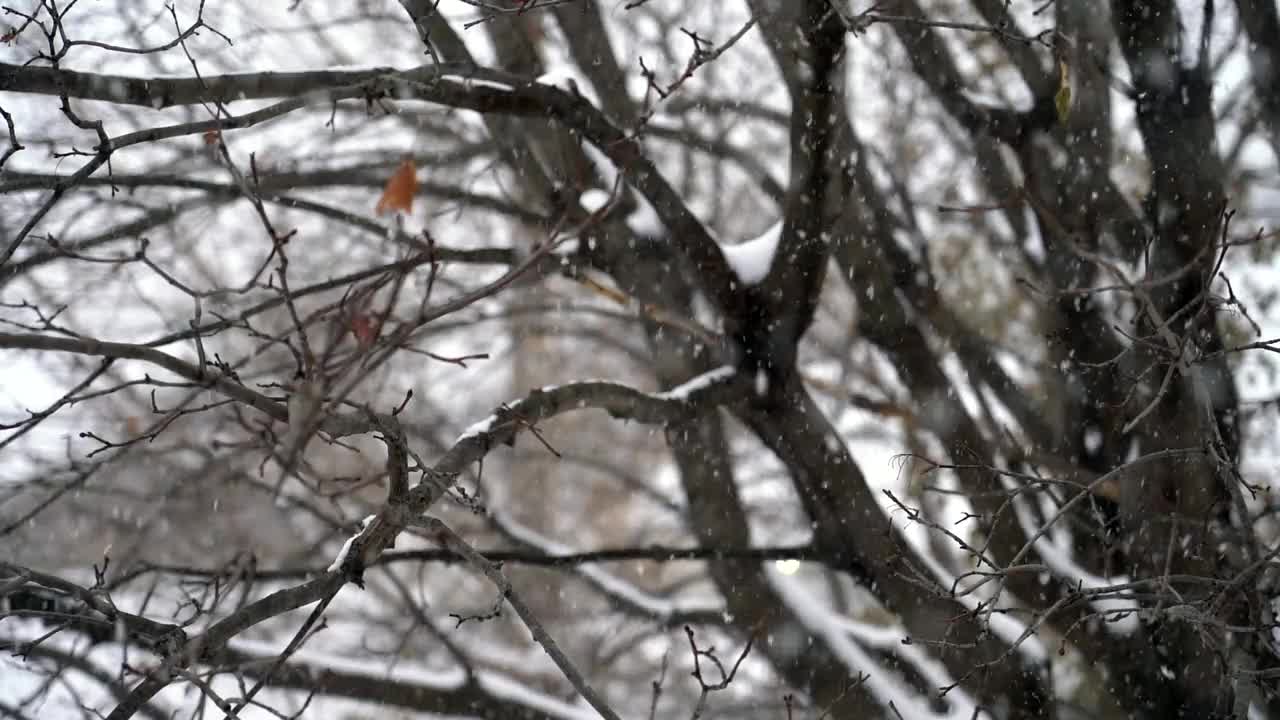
(569, 358)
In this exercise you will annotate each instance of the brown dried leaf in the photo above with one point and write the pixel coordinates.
(400, 189)
(365, 329)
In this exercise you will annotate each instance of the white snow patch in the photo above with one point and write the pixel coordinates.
(752, 259)
(522, 694)
(645, 220)
(833, 443)
(475, 429)
(477, 82)
(1003, 625)
(1072, 574)
(345, 662)
(562, 77)
(805, 71)
(701, 382)
(762, 383)
(889, 637)
(594, 199)
(346, 546)
(604, 166)
(567, 77)
(608, 583)
(834, 631)
(1093, 439)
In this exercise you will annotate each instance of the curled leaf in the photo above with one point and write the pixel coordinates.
(400, 189)
(1062, 98)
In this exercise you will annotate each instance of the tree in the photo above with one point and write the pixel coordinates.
(301, 306)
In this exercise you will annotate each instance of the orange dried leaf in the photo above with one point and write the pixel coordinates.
(211, 137)
(400, 189)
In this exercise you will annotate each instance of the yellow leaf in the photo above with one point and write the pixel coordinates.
(614, 295)
(1062, 98)
(400, 189)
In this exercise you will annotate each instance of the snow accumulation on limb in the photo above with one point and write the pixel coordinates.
(680, 393)
(478, 82)
(848, 640)
(565, 77)
(617, 398)
(594, 198)
(698, 383)
(752, 259)
(346, 547)
(478, 428)
(622, 591)
(340, 660)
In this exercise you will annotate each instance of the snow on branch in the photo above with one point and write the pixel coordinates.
(888, 686)
(618, 400)
(346, 547)
(698, 384)
(752, 259)
(627, 594)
